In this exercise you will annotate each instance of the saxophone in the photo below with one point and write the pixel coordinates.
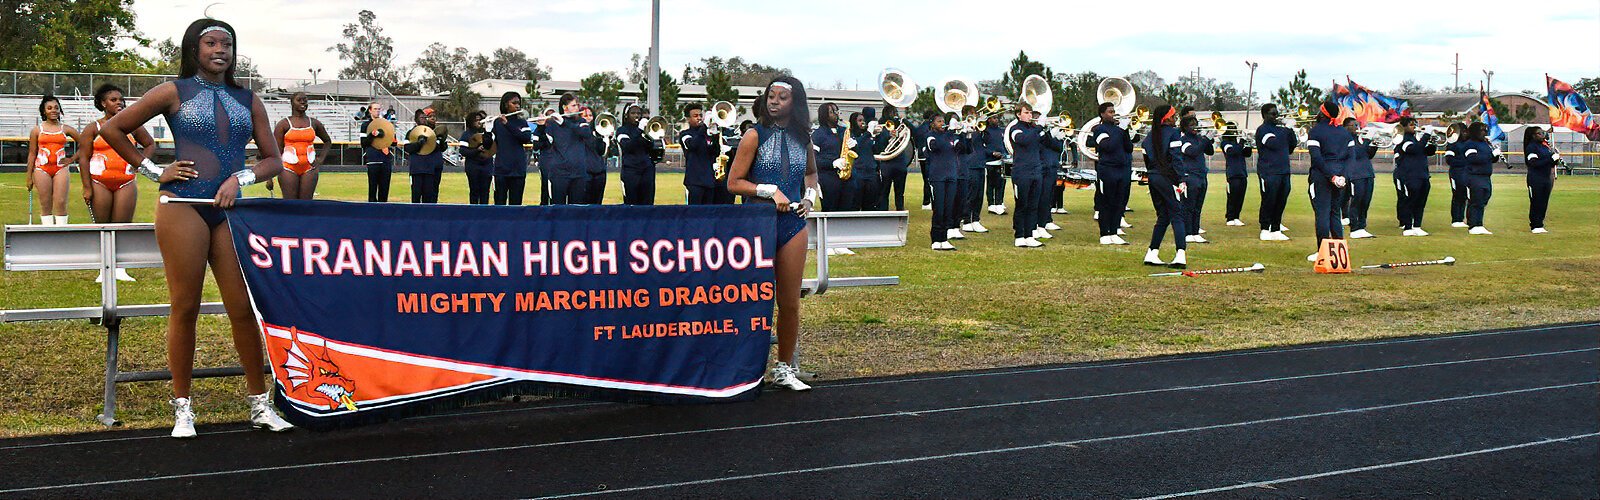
(847, 155)
(719, 170)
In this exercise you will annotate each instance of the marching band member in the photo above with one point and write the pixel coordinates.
(1113, 173)
(1167, 188)
(1051, 143)
(301, 156)
(1025, 166)
(894, 169)
(1480, 156)
(1541, 165)
(1237, 173)
(1069, 156)
(825, 140)
(699, 155)
(1330, 154)
(1458, 174)
(775, 164)
(510, 160)
(972, 177)
(1276, 142)
(567, 146)
(919, 137)
(1357, 198)
(108, 182)
(594, 188)
(1192, 152)
(638, 168)
(865, 172)
(994, 145)
(1411, 184)
(945, 147)
(47, 157)
(380, 162)
(426, 169)
(479, 164)
(210, 139)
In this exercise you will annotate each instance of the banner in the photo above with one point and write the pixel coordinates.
(373, 312)
(1567, 109)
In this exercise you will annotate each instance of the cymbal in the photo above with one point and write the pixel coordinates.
(425, 135)
(388, 133)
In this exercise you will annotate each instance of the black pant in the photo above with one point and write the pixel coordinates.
(1479, 190)
(1195, 202)
(1274, 198)
(894, 179)
(1357, 199)
(544, 188)
(425, 188)
(870, 193)
(638, 188)
(1024, 217)
(508, 189)
(702, 195)
(568, 190)
(996, 184)
(972, 204)
(1059, 199)
(1458, 194)
(720, 195)
(478, 182)
(1323, 196)
(927, 189)
(1538, 199)
(1237, 187)
(1047, 182)
(1413, 198)
(1112, 191)
(836, 194)
(594, 189)
(378, 182)
(1169, 211)
(946, 201)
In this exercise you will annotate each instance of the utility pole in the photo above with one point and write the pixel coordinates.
(1457, 73)
(1249, 95)
(655, 58)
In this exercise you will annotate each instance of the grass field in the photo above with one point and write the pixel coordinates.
(987, 305)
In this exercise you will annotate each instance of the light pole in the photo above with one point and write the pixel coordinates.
(314, 72)
(655, 58)
(1249, 95)
(1488, 75)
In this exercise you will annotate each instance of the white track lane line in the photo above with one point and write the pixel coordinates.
(927, 378)
(894, 414)
(1063, 443)
(1258, 484)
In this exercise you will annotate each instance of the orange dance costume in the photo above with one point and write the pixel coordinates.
(107, 169)
(298, 151)
(52, 154)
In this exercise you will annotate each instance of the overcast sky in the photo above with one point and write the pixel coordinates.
(823, 41)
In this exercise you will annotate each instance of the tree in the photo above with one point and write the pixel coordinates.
(1501, 111)
(1022, 67)
(1079, 97)
(1524, 114)
(1411, 87)
(922, 105)
(530, 92)
(460, 102)
(669, 96)
(507, 63)
(1146, 84)
(719, 87)
(601, 91)
(81, 35)
(1174, 95)
(638, 68)
(442, 68)
(370, 55)
(1589, 88)
(167, 59)
(740, 72)
(1299, 94)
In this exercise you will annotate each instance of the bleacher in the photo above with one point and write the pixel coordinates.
(19, 114)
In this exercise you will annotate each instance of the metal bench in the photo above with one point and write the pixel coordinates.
(851, 230)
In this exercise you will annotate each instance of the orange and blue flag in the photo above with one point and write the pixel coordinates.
(1567, 109)
(1373, 106)
(1488, 117)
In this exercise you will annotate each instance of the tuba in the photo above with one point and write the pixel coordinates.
(656, 128)
(605, 125)
(896, 88)
(899, 138)
(1036, 92)
(955, 94)
(1118, 92)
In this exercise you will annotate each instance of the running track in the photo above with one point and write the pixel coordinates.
(1511, 413)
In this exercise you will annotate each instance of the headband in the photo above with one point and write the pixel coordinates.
(1170, 112)
(215, 28)
(785, 85)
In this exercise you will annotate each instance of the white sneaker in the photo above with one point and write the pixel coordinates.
(1179, 261)
(846, 251)
(1279, 236)
(948, 246)
(954, 234)
(1118, 240)
(1034, 243)
(1282, 228)
(1096, 215)
(183, 418)
(1361, 234)
(977, 227)
(1200, 231)
(1189, 239)
(1236, 222)
(100, 278)
(1267, 236)
(122, 275)
(833, 251)
(936, 246)
(1052, 226)
(1419, 231)
(1106, 240)
(788, 377)
(928, 207)
(1344, 221)
(1022, 242)
(966, 227)
(1040, 234)
(994, 209)
(1458, 224)
(1479, 230)
(1539, 230)
(1125, 222)
(1408, 232)
(1200, 239)
(1152, 257)
(1311, 258)
(262, 415)
(999, 209)
(1120, 232)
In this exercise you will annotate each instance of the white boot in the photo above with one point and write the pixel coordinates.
(928, 206)
(1188, 239)
(1419, 231)
(1267, 235)
(1360, 234)
(966, 227)
(262, 416)
(61, 220)
(1409, 232)
(1311, 258)
(1152, 257)
(1180, 261)
(1034, 243)
(1344, 221)
(1200, 239)
(954, 234)
(183, 418)
(1279, 236)
(1022, 242)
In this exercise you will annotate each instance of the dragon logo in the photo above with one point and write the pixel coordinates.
(316, 378)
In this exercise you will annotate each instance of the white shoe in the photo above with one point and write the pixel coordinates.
(1267, 236)
(122, 275)
(1188, 239)
(183, 418)
(1344, 221)
(1282, 228)
(846, 251)
(954, 234)
(1311, 258)
(1408, 232)
(1419, 231)
(1040, 234)
(1022, 242)
(1118, 240)
(1200, 239)
(936, 246)
(1279, 236)
(966, 227)
(1236, 222)
(1120, 232)
(1539, 230)
(1152, 257)
(1052, 226)
(1200, 231)
(1179, 261)
(1034, 243)
(1000, 209)
(977, 227)
(928, 207)
(262, 416)
(833, 252)
(1458, 224)
(1479, 230)
(100, 278)
(1096, 215)
(948, 246)
(788, 377)
(1125, 222)
(1361, 234)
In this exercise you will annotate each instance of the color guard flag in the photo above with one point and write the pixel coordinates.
(1488, 117)
(373, 312)
(1376, 107)
(1567, 109)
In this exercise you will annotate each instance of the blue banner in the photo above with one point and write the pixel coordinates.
(378, 311)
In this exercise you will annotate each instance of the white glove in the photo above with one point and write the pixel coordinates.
(851, 144)
(838, 163)
(644, 124)
(557, 118)
(1058, 133)
(874, 127)
(1555, 156)
(726, 148)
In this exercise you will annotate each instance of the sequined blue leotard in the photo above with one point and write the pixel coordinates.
(210, 128)
(781, 161)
